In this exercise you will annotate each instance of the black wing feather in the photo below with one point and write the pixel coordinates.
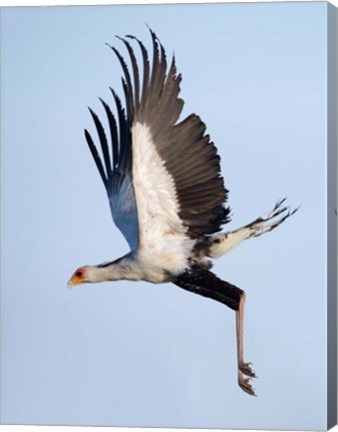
(103, 141)
(96, 156)
(190, 156)
(135, 73)
(127, 86)
(113, 132)
(125, 136)
(146, 67)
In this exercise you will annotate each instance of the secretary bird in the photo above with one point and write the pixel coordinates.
(165, 190)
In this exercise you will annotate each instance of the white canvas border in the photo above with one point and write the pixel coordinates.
(25, 3)
(119, 2)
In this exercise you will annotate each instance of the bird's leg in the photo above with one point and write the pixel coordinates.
(235, 298)
(205, 283)
(243, 368)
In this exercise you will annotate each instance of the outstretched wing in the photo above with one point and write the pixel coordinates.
(166, 179)
(116, 170)
(175, 167)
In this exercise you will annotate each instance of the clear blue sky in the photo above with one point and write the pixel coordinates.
(136, 354)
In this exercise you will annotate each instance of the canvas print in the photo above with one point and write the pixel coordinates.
(204, 134)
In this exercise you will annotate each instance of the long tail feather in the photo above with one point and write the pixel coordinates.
(223, 243)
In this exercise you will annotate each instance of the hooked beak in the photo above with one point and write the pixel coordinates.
(73, 281)
(70, 284)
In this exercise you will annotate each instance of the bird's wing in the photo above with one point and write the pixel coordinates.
(115, 170)
(175, 167)
(167, 175)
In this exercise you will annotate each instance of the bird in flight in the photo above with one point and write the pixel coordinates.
(165, 190)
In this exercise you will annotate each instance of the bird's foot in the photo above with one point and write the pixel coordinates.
(245, 385)
(247, 370)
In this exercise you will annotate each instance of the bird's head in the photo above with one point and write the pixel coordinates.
(80, 276)
(104, 272)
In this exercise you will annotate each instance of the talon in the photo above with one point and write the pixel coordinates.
(245, 385)
(247, 370)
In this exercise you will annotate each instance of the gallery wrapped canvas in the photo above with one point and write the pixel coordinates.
(206, 164)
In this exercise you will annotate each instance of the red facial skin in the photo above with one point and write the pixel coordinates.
(78, 277)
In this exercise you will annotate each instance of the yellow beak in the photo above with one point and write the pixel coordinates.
(74, 281)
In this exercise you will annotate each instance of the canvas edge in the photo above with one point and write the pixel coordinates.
(332, 17)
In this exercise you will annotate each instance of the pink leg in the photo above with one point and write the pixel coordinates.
(243, 368)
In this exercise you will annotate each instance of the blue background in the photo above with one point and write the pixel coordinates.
(138, 354)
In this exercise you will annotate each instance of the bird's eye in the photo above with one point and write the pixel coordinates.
(78, 274)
